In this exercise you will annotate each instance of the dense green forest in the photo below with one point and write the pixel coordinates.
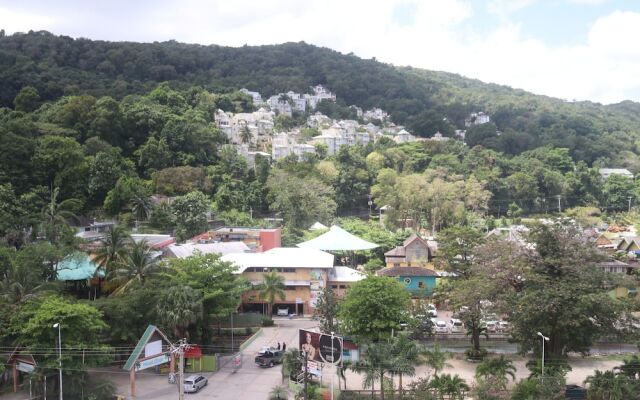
(61, 66)
(102, 126)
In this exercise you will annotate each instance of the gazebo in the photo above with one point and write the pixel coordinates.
(337, 239)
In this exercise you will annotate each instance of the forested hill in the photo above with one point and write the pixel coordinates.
(424, 101)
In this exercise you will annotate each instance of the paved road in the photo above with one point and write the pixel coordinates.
(249, 383)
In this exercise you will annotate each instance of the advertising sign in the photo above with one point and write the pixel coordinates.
(152, 362)
(153, 348)
(317, 347)
(314, 368)
(24, 367)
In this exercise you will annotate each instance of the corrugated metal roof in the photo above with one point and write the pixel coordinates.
(77, 267)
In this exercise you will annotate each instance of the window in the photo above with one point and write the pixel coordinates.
(334, 286)
(407, 281)
(343, 287)
(289, 288)
(420, 285)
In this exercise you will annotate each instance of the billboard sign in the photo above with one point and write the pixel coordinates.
(24, 367)
(314, 368)
(317, 347)
(152, 362)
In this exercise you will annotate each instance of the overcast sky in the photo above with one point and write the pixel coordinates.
(572, 49)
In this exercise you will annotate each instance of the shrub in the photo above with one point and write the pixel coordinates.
(266, 321)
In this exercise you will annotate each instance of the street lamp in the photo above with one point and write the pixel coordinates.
(57, 325)
(544, 339)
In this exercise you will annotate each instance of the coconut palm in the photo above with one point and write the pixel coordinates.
(436, 359)
(55, 215)
(178, 308)
(137, 265)
(19, 284)
(245, 134)
(498, 370)
(140, 207)
(405, 355)
(272, 287)
(113, 247)
(610, 386)
(375, 362)
(453, 387)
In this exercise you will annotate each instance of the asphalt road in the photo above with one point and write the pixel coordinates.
(250, 382)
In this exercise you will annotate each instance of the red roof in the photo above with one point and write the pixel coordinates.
(194, 351)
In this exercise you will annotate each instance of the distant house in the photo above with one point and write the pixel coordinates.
(419, 281)
(189, 249)
(515, 233)
(629, 244)
(608, 240)
(257, 239)
(95, 230)
(154, 241)
(341, 278)
(605, 173)
(414, 252)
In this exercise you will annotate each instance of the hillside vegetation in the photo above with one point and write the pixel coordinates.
(57, 66)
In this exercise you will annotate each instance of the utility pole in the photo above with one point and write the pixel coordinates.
(559, 203)
(304, 377)
(333, 365)
(182, 346)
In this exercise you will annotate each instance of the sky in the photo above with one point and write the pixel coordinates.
(570, 49)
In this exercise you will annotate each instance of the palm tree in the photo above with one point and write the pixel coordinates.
(375, 362)
(452, 386)
(272, 287)
(178, 308)
(140, 207)
(113, 247)
(56, 215)
(436, 359)
(136, 266)
(278, 392)
(498, 369)
(405, 355)
(609, 386)
(291, 364)
(19, 284)
(630, 367)
(245, 134)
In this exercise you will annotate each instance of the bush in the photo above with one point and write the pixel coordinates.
(266, 321)
(475, 355)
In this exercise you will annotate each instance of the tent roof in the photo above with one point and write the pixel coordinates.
(76, 267)
(337, 239)
(318, 226)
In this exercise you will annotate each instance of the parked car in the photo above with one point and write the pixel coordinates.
(432, 310)
(441, 326)
(503, 326)
(456, 325)
(492, 326)
(264, 349)
(269, 358)
(282, 312)
(194, 383)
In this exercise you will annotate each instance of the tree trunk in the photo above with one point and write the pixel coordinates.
(400, 385)
(382, 385)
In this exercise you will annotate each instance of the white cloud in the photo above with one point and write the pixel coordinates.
(603, 68)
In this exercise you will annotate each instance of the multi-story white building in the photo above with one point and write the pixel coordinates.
(478, 118)
(284, 144)
(255, 96)
(375, 113)
(280, 105)
(318, 120)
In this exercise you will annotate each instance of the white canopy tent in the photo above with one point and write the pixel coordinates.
(337, 239)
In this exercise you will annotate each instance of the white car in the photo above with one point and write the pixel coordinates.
(492, 326)
(432, 310)
(456, 325)
(194, 383)
(264, 349)
(282, 312)
(441, 326)
(503, 326)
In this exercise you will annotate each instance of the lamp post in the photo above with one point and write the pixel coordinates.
(57, 325)
(544, 339)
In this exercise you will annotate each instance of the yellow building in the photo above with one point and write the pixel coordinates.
(305, 273)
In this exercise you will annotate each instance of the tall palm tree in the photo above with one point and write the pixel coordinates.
(55, 215)
(291, 364)
(375, 362)
(245, 134)
(140, 207)
(113, 247)
(136, 266)
(436, 359)
(272, 287)
(19, 284)
(405, 355)
(499, 369)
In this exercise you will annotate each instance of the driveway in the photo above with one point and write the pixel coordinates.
(248, 383)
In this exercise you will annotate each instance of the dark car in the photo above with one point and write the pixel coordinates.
(269, 358)
(575, 392)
